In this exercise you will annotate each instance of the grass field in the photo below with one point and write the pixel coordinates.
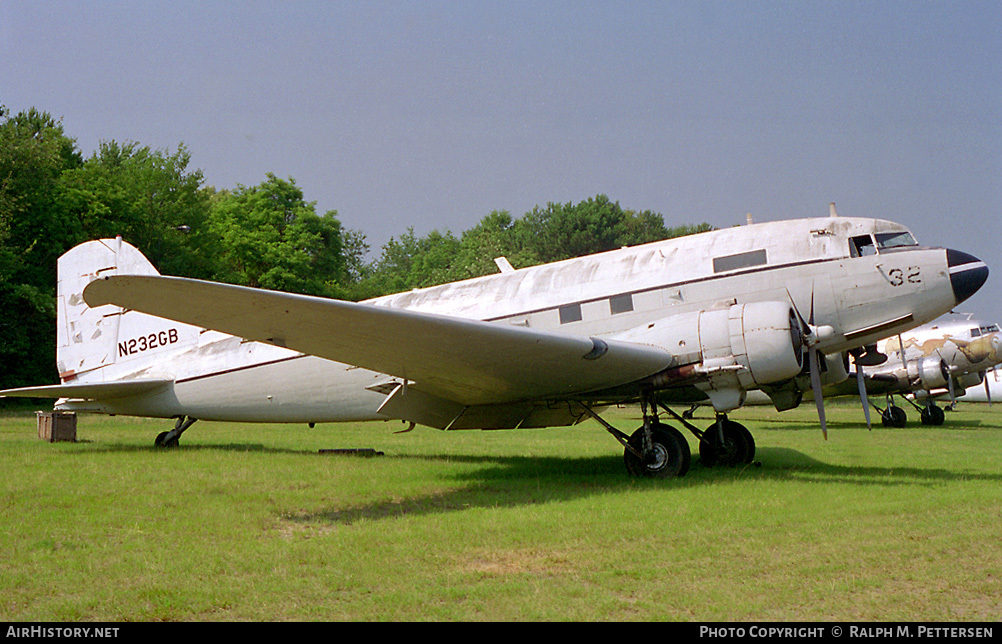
(250, 522)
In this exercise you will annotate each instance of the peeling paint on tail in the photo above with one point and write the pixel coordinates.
(87, 339)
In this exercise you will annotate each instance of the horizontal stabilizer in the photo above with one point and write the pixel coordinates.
(89, 391)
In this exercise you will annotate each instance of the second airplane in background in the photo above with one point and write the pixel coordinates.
(940, 359)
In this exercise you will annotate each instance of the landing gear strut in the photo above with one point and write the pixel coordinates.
(658, 450)
(655, 450)
(891, 415)
(929, 412)
(170, 439)
(932, 415)
(726, 443)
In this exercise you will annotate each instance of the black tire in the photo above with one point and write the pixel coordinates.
(749, 442)
(894, 417)
(161, 440)
(738, 447)
(669, 458)
(933, 415)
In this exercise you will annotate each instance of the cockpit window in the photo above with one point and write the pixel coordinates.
(893, 240)
(862, 246)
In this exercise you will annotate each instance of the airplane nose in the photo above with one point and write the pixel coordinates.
(967, 273)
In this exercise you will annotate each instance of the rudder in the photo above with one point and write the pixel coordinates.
(87, 338)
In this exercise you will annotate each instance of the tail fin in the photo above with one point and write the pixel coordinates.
(88, 339)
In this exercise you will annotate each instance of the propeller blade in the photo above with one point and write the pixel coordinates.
(819, 400)
(949, 379)
(803, 323)
(988, 390)
(862, 395)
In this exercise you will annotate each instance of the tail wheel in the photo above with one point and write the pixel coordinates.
(736, 448)
(668, 455)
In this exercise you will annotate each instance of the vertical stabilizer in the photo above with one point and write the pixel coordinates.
(87, 338)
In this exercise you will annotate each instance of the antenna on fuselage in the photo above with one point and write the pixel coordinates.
(504, 265)
(749, 219)
(831, 210)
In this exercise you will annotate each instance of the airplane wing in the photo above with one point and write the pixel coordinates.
(121, 389)
(465, 361)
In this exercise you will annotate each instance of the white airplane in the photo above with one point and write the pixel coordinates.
(714, 314)
(938, 359)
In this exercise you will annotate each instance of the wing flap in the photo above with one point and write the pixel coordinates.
(465, 361)
(425, 409)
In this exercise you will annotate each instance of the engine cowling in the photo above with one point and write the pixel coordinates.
(928, 372)
(757, 343)
(763, 337)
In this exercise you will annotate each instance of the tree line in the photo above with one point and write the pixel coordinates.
(267, 235)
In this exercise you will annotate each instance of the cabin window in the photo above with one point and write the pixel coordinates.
(621, 304)
(741, 260)
(975, 332)
(862, 246)
(570, 313)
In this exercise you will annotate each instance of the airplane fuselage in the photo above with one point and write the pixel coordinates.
(836, 271)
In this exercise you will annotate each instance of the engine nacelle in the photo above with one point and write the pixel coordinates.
(967, 380)
(748, 344)
(834, 369)
(763, 337)
(928, 373)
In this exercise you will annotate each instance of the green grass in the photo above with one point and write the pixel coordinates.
(250, 522)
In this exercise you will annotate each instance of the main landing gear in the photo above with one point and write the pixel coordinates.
(894, 416)
(658, 450)
(170, 439)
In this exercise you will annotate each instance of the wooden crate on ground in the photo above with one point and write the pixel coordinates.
(57, 425)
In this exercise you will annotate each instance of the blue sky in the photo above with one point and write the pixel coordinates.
(432, 114)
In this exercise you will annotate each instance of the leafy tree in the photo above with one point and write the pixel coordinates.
(568, 230)
(150, 198)
(410, 262)
(34, 151)
(559, 231)
(270, 237)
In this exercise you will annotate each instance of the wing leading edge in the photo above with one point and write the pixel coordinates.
(469, 362)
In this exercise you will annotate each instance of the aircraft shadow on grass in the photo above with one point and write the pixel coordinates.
(517, 481)
(513, 481)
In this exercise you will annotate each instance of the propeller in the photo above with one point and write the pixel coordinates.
(948, 372)
(812, 336)
(861, 384)
(812, 357)
(988, 388)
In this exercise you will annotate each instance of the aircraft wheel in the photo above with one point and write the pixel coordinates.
(749, 441)
(893, 417)
(932, 415)
(669, 455)
(161, 440)
(737, 448)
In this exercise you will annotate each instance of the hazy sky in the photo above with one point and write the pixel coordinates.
(432, 114)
